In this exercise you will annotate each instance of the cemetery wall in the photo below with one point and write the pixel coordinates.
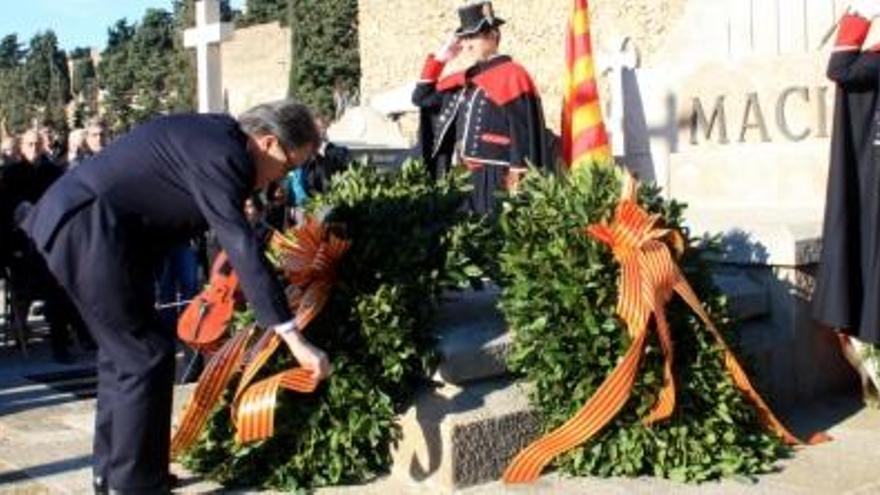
(256, 66)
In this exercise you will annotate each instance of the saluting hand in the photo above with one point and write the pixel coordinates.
(308, 356)
(449, 50)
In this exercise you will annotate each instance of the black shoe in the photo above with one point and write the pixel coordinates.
(158, 490)
(99, 484)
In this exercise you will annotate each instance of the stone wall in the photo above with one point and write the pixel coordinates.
(256, 66)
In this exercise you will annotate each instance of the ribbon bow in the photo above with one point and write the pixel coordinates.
(309, 264)
(649, 277)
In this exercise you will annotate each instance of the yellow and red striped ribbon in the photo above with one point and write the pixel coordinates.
(649, 277)
(309, 264)
(584, 138)
(213, 382)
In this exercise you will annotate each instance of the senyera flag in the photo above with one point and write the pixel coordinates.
(584, 137)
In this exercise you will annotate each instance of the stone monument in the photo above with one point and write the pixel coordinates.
(206, 37)
(726, 106)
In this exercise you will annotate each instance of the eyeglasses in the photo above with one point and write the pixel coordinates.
(292, 159)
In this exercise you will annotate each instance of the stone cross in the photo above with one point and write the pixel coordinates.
(206, 38)
(623, 57)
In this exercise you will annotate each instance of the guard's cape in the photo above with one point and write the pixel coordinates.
(847, 293)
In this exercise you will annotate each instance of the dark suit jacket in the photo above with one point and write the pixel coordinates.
(171, 178)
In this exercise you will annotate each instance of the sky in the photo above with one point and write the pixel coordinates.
(75, 22)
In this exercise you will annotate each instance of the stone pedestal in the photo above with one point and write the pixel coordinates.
(794, 360)
(466, 429)
(369, 135)
(459, 436)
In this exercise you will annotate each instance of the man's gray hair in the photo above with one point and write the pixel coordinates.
(291, 122)
(95, 122)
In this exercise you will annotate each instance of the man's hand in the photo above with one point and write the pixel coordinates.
(449, 50)
(308, 356)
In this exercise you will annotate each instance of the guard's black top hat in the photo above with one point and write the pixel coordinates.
(477, 17)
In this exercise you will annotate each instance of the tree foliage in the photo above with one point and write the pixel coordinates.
(14, 106)
(11, 52)
(145, 69)
(84, 85)
(263, 11)
(185, 13)
(34, 82)
(46, 80)
(326, 61)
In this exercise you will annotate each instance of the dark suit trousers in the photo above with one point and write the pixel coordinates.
(101, 262)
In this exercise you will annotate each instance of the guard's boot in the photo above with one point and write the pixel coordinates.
(99, 484)
(864, 360)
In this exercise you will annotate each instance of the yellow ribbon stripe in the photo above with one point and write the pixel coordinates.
(213, 382)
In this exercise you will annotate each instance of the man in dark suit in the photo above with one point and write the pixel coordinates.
(105, 226)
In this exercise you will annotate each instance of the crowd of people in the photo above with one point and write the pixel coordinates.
(32, 161)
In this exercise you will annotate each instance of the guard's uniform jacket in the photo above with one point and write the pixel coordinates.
(847, 294)
(488, 118)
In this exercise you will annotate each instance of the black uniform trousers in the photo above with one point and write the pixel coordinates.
(105, 265)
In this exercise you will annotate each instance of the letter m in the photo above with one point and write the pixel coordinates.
(699, 121)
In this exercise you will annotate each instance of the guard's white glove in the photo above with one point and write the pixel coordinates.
(449, 50)
(869, 9)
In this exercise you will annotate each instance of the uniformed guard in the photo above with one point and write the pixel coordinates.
(848, 279)
(488, 117)
(104, 227)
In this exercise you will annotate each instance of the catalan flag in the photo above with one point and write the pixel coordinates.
(584, 138)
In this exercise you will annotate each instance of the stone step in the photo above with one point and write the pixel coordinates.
(456, 437)
(474, 341)
(790, 371)
(786, 237)
(473, 337)
(762, 350)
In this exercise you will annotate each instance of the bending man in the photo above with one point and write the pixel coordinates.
(104, 228)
